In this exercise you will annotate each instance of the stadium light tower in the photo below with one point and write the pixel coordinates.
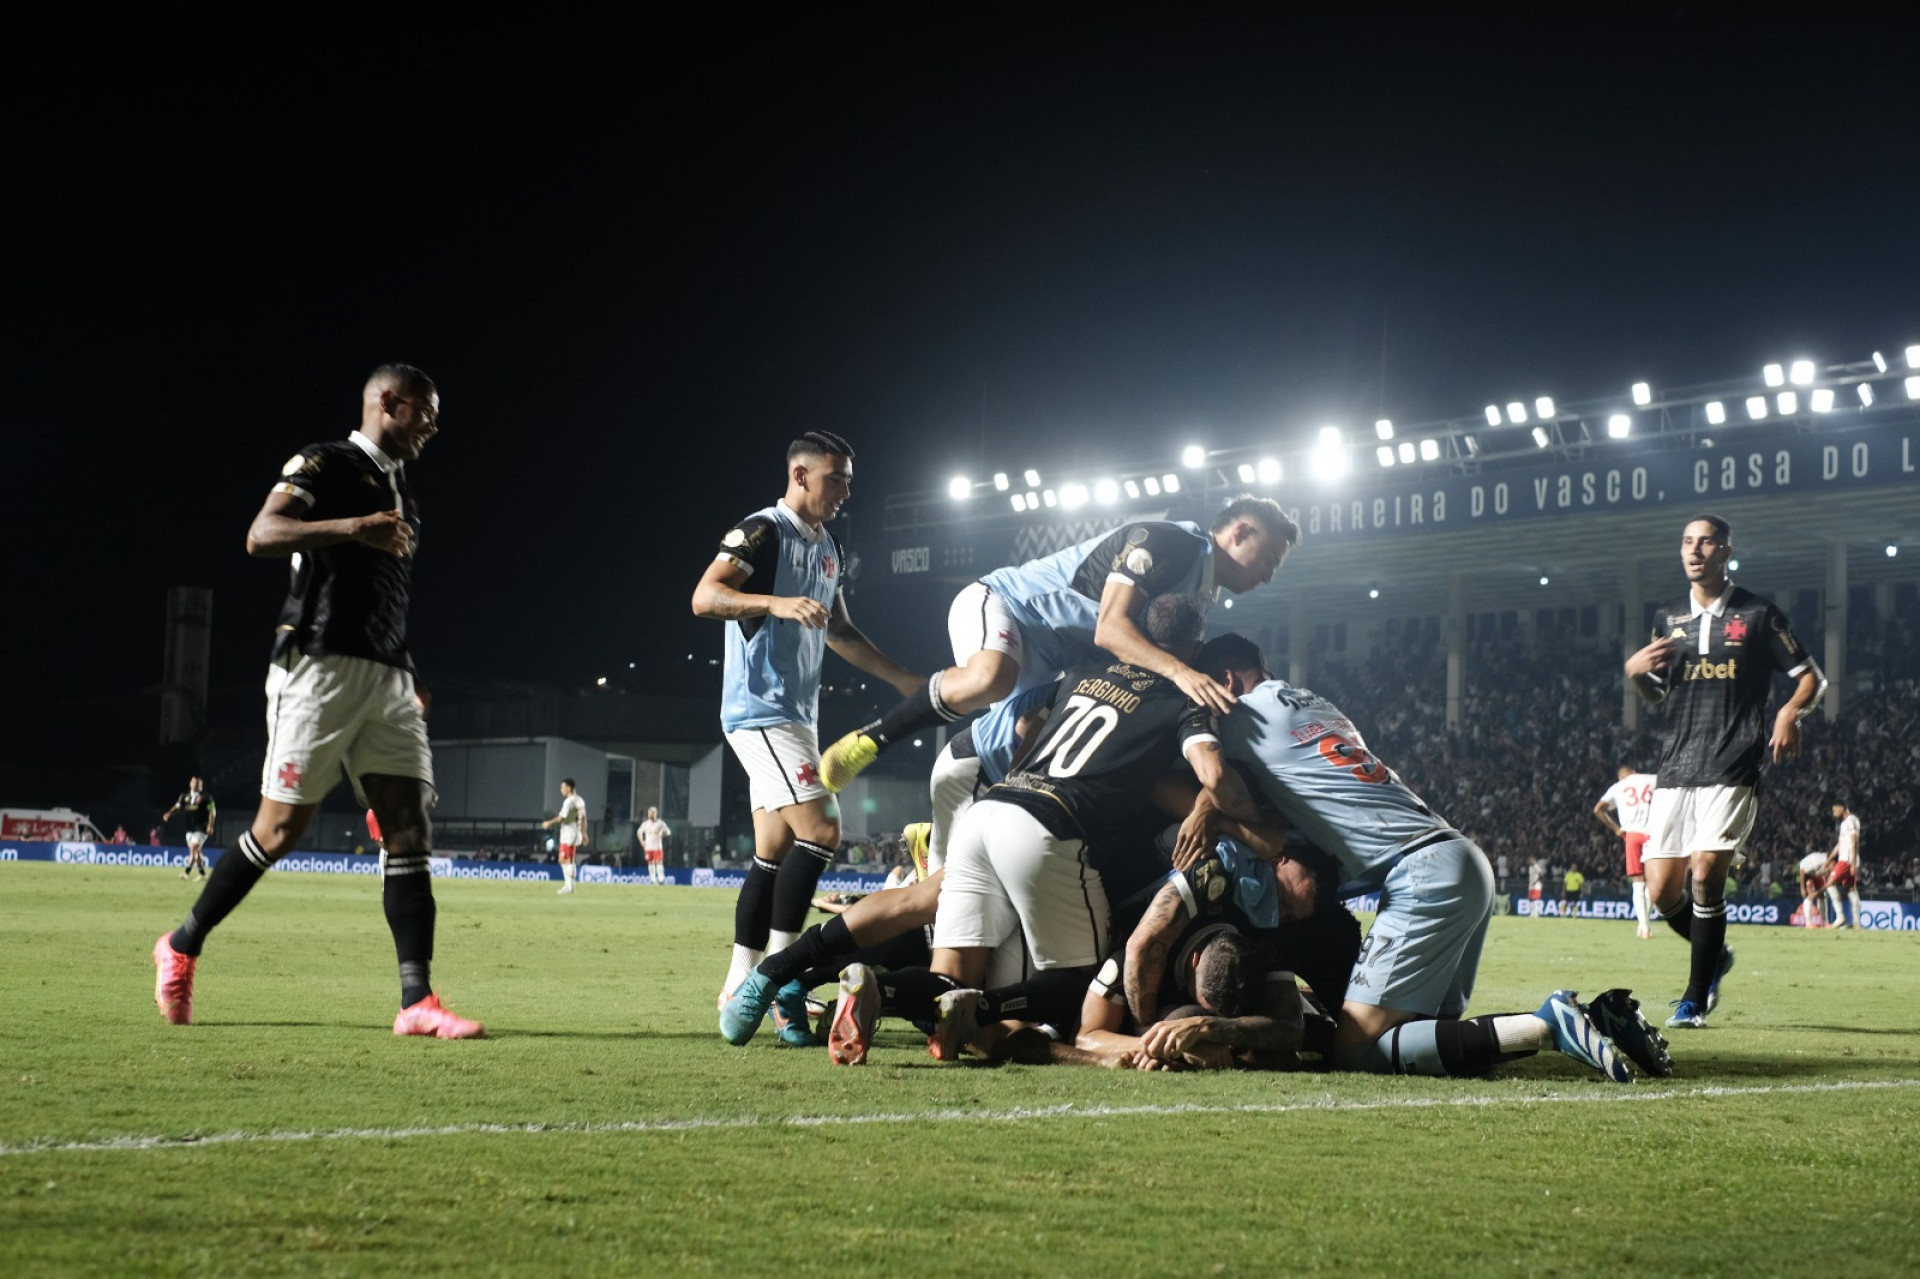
(1383, 428)
(1493, 415)
(1543, 407)
(1619, 426)
(1385, 454)
(1000, 482)
(1716, 413)
(1801, 373)
(1774, 375)
(1821, 401)
(1517, 413)
(959, 488)
(1193, 457)
(1865, 391)
(1429, 450)
(1642, 394)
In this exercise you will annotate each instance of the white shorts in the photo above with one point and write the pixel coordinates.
(328, 714)
(953, 787)
(782, 763)
(196, 840)
(1698, 819)
(1008, 876)
(978, 619)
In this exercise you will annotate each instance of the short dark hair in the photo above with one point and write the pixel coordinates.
(1263, 511)
(1720, 526)
(568, 783)
(405, 378)
(1229, 981)
(1229, 652)
(819, 444)
(1174, 621)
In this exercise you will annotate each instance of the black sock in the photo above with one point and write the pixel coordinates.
(1680, 919)
(408, 899)
(913, 994)
(1709, 939)
(920, 709)
(753, 911)
(1052, 997)
(818, 947)
(793, 887)
(234, 876)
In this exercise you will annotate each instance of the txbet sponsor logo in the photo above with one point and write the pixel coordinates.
(1729, 669)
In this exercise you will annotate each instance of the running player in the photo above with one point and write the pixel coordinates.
(572, 821)
(198, 814)
(1404, 1006)
(1843, 867)
(341, 693)
(653, 835)
(1713, 657)
(1021, 626)
(776, 641)
(1631, 798)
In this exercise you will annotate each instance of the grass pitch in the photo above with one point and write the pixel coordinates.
(606, 1128)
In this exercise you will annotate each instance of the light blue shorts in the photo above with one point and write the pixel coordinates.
(1423, 951)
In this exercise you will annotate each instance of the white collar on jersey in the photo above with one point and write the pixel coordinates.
(1718, 607)
(386, 464)
(807, 530)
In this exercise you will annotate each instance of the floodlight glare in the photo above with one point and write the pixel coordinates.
(1642, 394)
(1049, 497)
(1406, 451)
(1800, 373)
(1019, 501)
(1429, 450)
(1152, 486)
(1133, 489)
(1329, 459)
(1385, 454)
(1033, 500)
(1106, 492)
(1543, 407)
(1789, 403)
(1774, 375)
(1383, 428)
(1716, 412)
(1543, 581)
(1913, 388)
(1374, 594)
(1473, 445)
(1329, 437)
(1269, 470)
(1493, 415)
(1619, 426)
(1892, 550)
(1733, 566)
(1000, 481)
(1879, 362)
(1821, 401)
(1170, 482)
(1913, 357)
(1073, 496)
(1247, 473)
(1756, 407)
(1033, 478)
(1193, 457)
(1865, 391)
(959, 488)
(1540, 437)
(1517, 413)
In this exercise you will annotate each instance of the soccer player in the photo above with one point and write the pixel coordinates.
(341, 692)
(1631, 797)
(1572, 884)
(1404, 1005)
(572, 821)
(1843, 867)
(1712, 658)
(198, 814)
(1021, 626)
(1812, 881)
(776, 584)
(653, 835)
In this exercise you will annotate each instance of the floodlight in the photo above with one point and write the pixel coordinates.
(1517, 413)
(1540, 437)
(1033, 478)
(1429, 450)
(1619, 426)
(1493, 415)
(1269, 470)
(1073, 496)
(1385, 454)
(1407, 451)
(1033, 500)
(1151, 485)
(1756, 407)
(1733, 566)
(1329, 437)
(959, 488)
(1374, 594)
(1019, 501)
(1383, 428)
(1879, 362)
(1642, 394)
(1106, 492)
(1193, 457)
(1800, 373)
(1821, 401)
(1227, 603)
(1543, 581)
(1913, 388)
(1789, 402)
(1716, 412)
(1170, 482)
(1865, 391)
(1049, 497)
(1132, 487)
(1473, 445)
(1913, 357)
(1247, 473)
(1000, 481)
(1774, 375)
(1329, 459)
(1892, 550)
(1543, 407)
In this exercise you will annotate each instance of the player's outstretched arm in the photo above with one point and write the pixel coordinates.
(847, 640)
(1117, 632)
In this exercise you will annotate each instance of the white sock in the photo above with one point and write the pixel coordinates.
(1523, 1033)
(1853, 899)
(778, 941)
(1640, 903)
(1833, 900)
(744, 962)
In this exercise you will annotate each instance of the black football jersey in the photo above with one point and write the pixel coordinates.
(1716, 705)
(1114, 730)
(1157, 555)
(196, 811)
(347, 599)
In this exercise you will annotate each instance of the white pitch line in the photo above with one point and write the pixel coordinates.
(1325, 1104)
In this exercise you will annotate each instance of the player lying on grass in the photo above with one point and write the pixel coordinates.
(1404, 1011)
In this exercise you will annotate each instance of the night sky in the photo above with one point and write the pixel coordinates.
(638, 263)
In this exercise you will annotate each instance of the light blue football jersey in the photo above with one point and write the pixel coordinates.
(1313, 765)
(996, 734)
(772, 672)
